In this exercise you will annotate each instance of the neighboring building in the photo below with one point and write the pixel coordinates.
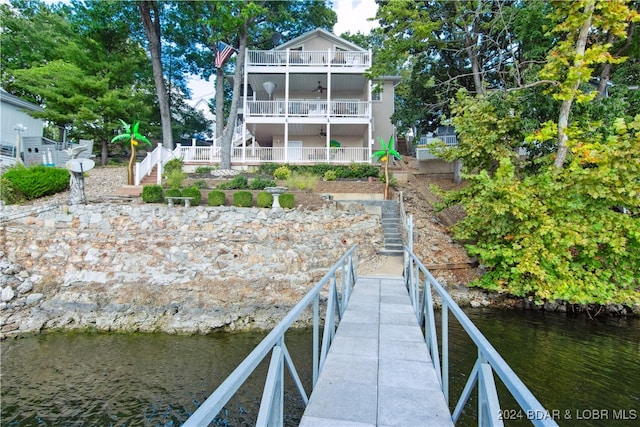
(309, 101)
(13, 116)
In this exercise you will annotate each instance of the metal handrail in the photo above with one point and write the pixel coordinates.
(420, 284)
(340, 280)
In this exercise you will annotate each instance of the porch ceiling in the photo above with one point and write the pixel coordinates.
(264, 132)
(307, 82)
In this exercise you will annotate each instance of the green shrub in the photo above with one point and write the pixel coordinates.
(286, 200)
(201, 183)
(194, 192)
(29, 183)
(392, 179)
(264, 200)
(216, 198)
(261, 183)
(282, 172)
(239, 182)
(173, 192)
(175, 178)
(9, 193)
(302, 181)
(152, 193)
(172, 165)
(205, 169)
(330, 175)
(243, 199)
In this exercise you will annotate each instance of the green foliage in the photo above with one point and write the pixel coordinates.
(242, 199)
(194, 192)
(302, 181)
(261, 183)
(152, 193)
(29, 183)
(216, 198)
(330, 175)
(238, 182)
(264, 200)
(561, 234)
(175, 178)
(173, 165)
(286, 200)
(173, 192)
(393, 181)
(352, 171)
(282, 172)
(205, 169)
(201, 183)
(9, 193)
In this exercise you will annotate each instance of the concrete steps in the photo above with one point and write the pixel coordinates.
(136, 190)
(390, 220)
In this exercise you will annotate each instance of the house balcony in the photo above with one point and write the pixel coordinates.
(255, 155)
(349, 60)
(308, 108)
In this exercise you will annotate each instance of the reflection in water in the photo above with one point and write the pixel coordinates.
(116, 379)
(585, 372)
(574, 365)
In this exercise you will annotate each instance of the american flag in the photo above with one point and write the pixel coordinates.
(223, 53)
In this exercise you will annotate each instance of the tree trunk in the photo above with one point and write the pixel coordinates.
(227, 137)
(219, 102)
(565, 108)
(151, 22)
(104, 153)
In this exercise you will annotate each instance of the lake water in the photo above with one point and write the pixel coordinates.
(585, 372)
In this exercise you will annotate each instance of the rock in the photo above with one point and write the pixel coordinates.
(34, 298)
(7, 294)
(26, 286)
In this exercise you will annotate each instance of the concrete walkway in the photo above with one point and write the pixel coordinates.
(378, 371)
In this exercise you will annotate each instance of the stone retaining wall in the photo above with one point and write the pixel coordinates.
(177, 270)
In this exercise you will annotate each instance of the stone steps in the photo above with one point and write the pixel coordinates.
(390, 221)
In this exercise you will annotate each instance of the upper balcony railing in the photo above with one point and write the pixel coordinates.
(317, 58)
(309, 108)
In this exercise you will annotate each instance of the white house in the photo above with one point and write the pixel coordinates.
(307, 101)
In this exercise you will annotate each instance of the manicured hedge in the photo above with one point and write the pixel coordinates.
(264, 200)
(216, 198)
(152, 193)
(286, 200)
(243, 199)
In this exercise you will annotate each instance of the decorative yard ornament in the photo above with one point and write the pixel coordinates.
(382, 156)
(131, 134)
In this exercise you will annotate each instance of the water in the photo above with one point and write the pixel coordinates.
(570, 364)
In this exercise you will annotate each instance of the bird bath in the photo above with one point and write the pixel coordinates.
(275, 192)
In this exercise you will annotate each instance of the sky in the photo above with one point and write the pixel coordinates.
(352, 17)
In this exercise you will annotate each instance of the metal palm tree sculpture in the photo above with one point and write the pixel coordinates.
(134, 137)
(383, 156)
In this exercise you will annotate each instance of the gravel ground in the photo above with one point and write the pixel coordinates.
(100, 184)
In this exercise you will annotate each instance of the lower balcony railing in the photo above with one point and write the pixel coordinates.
(277, 155)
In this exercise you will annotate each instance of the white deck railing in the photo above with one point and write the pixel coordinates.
(309, 108)
(316, 58)
(256, 155)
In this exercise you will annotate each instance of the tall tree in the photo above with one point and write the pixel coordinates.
(150, 15)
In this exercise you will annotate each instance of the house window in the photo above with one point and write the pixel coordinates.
(376, 92)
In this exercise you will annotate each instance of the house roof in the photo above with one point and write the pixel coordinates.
(322, 33)
(18, 102)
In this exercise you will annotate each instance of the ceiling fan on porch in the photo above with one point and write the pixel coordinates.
(319, 88)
